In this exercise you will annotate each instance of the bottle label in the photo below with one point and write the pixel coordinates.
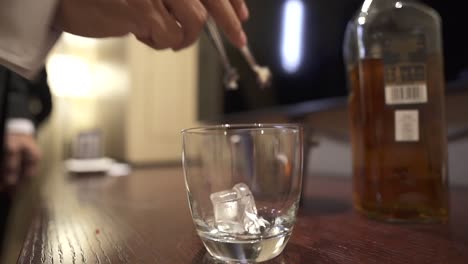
(405, 69)
(406, 125)
(415, 93)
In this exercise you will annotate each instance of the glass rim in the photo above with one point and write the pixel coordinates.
(252, 127)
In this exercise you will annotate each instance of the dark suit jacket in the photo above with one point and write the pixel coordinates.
(29, 99)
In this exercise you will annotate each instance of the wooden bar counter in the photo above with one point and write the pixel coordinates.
(144, 218)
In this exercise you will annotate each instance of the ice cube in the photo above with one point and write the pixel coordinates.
(253, 224)
(226, 211)
(235, 211)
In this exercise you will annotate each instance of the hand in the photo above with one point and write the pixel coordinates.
(160, 24)
(21, 159)
(229, 15)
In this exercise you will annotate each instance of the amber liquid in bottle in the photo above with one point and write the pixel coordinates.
(397, 180)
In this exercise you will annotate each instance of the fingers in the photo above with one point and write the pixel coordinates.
(22, 158)
(177, 24)
(160, 23)
(225, 15)
(148, 41)
(12, 161)
(94, 18)
(191, 15)
(31, 155)
(165, 30)
(141, 11)
(241, 9)
(174, 24)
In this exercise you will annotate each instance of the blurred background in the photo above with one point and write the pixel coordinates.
(118, 99)
(136, 100)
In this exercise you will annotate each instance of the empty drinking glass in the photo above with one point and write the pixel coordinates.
(243, 184)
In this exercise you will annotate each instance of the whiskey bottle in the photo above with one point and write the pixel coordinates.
(393, 55)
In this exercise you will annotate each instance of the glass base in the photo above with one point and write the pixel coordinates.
(245, 251)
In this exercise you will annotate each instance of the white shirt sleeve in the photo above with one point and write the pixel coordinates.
(20, 126)
(26, 35)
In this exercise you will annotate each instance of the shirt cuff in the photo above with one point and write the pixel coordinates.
(20, 126)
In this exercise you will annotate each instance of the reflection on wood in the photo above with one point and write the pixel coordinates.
(144, 218)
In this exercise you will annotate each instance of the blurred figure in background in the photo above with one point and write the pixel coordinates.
(29, 103)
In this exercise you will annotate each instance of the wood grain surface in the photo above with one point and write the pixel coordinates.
(144, 218)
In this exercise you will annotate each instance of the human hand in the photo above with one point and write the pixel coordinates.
(21, 159)
(160, 24)
(229, 15)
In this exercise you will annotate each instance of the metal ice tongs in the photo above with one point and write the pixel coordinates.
(231, 76)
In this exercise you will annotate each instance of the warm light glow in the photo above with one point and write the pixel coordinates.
(292, 35)
(74, 77)
(79, 42)
(398, 5)
(69, 76)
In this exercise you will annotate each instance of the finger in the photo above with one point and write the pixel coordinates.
(12, 162)
(103, 18)
(141, 7)
(164, 28)
(191, 15)
(116, 15)
(30, 169)
(225, 16)
(31, 150)
(32, 156)
(241, 9)
(148, 41)
(11, 179)
(141, 12)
